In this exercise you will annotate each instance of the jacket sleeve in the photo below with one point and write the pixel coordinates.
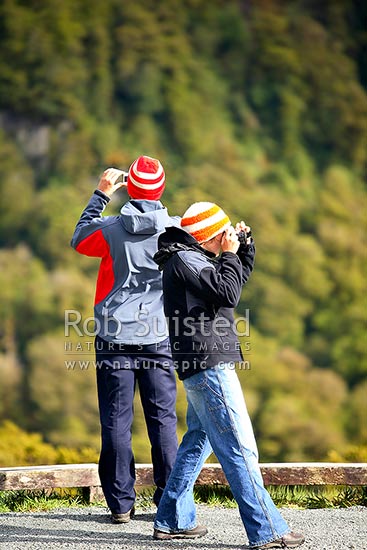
(219, 284)
(88, 237)
(246, 254)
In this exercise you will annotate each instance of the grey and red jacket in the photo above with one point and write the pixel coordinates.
(200, 293)
(128, 304)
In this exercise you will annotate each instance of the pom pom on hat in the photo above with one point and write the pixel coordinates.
(146, 179)
(204, 220)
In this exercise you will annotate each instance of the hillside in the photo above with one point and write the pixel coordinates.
(259, 106)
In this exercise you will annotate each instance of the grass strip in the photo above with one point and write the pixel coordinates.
(296, 496)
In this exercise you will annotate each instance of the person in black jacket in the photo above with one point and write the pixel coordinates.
(200, 291)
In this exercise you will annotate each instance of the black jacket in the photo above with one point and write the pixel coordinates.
(200, 292)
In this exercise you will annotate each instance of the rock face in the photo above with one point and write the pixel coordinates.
(32, 137)
(35, 139)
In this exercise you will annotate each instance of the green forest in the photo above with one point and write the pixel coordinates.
(259, 106)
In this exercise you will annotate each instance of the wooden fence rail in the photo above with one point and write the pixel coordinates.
(86, 475)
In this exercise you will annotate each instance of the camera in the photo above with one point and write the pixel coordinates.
(243, 236)
(122, 177)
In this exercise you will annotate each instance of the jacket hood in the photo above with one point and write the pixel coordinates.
(174, 240)
(144, 216)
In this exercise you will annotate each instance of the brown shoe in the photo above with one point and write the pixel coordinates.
(291, 540)
(123, 518)
(196, 533)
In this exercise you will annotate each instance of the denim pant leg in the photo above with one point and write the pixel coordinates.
(217, 398)
(176, 510)
(157, 386)
(116, 462)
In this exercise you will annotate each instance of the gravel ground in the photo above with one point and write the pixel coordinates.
(90, 528)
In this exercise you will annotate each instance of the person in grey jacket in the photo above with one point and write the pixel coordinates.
(131, 341)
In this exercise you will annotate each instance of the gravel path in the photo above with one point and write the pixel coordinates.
(90, 528)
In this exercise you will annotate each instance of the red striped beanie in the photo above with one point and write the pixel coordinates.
(204, 220)
(145, 179)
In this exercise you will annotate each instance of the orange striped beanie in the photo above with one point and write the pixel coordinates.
(145, 179)
(204, 220)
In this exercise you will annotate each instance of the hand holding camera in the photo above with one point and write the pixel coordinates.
(111, 180)
(243, 232)
(230, 242)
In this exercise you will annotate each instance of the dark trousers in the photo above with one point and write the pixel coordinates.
(118, 371)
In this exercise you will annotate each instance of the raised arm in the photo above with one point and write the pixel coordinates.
(88, 238)
(218, 283)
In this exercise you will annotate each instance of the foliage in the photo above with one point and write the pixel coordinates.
(352, 453)
(20, 448)
(300, 496)
(39, 501)
(259, 106)
(209, 495)
(323, 496)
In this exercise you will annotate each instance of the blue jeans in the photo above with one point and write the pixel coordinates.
(217, 420)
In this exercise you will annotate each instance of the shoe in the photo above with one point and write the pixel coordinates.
(291, 540)
(195, 533)
(123, 518)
